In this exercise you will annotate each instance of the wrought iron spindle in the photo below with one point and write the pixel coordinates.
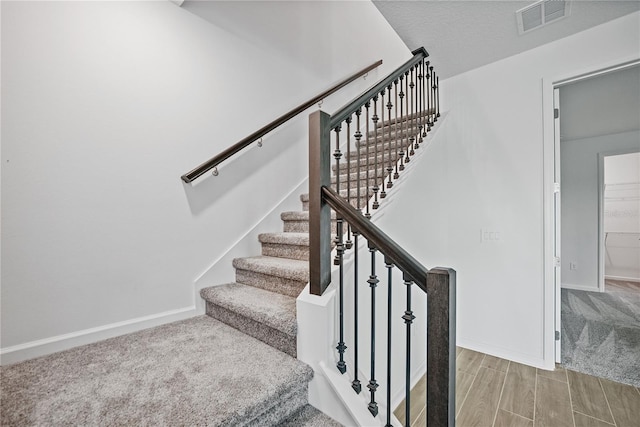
(374, 119)
(389, 265)
(420, 86)
(389, 143)
(412, 88)
(373, 283)
(427, 75)
(406, 119)
(397, 134)
(433, 93)
(402, 123)
(366, 106)
(348, 243)
(341, 347)
(437, 96)
(337, 154)
(408, 320)
(355, 384)
(358, 137)
(425, 94)
(383, 193)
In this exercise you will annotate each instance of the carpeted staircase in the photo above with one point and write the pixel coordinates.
(262, 301)
(235, 366)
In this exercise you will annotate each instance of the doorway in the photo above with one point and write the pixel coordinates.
(597, 121)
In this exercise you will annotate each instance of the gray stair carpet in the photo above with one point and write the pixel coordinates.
(262, 300)
(193, 372)
(601, 334)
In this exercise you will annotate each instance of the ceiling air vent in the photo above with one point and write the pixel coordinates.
(541, 13)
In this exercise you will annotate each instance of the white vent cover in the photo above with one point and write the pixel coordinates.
(541, 13)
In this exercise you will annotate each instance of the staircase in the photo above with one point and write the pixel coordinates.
(262, 300)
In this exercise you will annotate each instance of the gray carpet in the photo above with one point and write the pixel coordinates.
(601, 334)
(194, 372)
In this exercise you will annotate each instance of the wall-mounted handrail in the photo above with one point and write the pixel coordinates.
(245, 142)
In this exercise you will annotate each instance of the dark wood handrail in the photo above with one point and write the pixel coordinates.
(344, 112)
(215, 161)
(377, 238)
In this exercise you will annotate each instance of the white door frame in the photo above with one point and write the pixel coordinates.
(551, 169)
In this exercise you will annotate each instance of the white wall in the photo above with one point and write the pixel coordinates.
(106, 104)
(580, 183)
(488, 175)
(621, 215)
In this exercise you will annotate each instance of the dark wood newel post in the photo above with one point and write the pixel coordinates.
(441, 346)
(319, 211)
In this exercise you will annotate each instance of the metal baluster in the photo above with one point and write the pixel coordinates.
(355, 384)
(425, 95)
(438, 96)
(374, 119)
(412, 139)
(433, 94)
(373, 283)
(408, 319)
(420, 85)
(427, 76)
(337, 154)
(389, 266)
(397, 135)
(402, 133)
(383, 193)
(406, 121)
(341, 347)
(366, 106)
(389, 142)
(348, 243)
(358, 137)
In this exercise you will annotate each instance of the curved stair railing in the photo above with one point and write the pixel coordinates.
(385, 125)
(213, 162)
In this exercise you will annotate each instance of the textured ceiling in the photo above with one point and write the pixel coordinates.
(463, 35)
(602, 105)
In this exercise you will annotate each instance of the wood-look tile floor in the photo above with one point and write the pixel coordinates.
(493, 392)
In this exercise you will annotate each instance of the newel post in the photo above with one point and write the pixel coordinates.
(319, 211)
(441, 347)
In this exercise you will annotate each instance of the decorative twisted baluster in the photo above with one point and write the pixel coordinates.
(374, 119)
(383, 193)
(373, 283)
(420, 90)
(389, 142)
(389, 265)
(407, 142)
(429, 97)
(348, 243)
(437, 97)
(402, 124)
(408, 320)
(366, 106)
(412, 91)
(397, 134)
(425, 92)
(355, 384)
(433, 94)
(337, 154)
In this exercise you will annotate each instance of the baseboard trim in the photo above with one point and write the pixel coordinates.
(580, 287)
(32, 349)
(536, 362)
(626, 279)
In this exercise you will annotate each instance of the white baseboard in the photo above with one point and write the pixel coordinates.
(626, 279)
(580, 287)
(30, 350)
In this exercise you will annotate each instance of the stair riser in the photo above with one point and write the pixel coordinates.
(273, 337)
(406, 118)
(280, 285)
(301, 226)
(363, 202)
(280, 250)
(412, 132)
(287, 405)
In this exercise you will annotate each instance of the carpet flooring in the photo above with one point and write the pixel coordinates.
(601, 333)
(173, 375)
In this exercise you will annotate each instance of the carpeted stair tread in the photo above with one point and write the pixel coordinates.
(299, 215)
(353, 192)
(279, 267)
(197, 371)
(249, 301)
(308, 416)
(288, 238)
